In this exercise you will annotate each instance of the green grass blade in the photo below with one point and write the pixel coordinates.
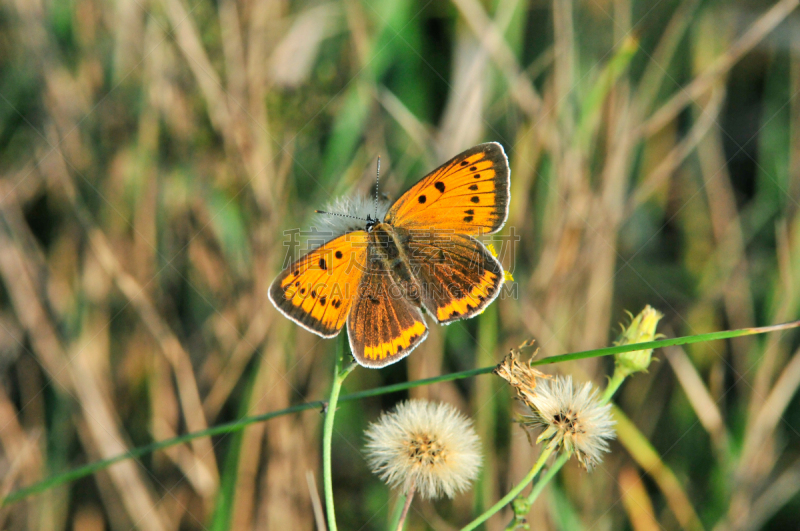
(592, 105)
(223, 508)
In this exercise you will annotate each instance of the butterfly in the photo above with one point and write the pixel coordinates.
(424, 254)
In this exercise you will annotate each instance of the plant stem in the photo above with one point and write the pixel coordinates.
(613, 384)
(545, 479)
(340, 372)
(526, 502)
(399, 504)
(505, 500)
(406, 506)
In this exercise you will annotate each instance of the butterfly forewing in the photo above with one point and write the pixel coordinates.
(458, 277)
(467, 194)
(317, 291)
(383, 326)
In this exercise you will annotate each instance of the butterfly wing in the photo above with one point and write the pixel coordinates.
(468, 194)
(317, 291)
(384, 327)
(458, 276)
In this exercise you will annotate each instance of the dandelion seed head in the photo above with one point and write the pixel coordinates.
(573, 419)
(357, 206)
(430, 446)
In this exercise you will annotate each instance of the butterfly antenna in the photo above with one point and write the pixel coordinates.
(377, 181)
(339, 214)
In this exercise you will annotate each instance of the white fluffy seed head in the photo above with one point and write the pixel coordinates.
(357, 206)
(430, 446)
(574, 420)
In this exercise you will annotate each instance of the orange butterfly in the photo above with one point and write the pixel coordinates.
(423, 255)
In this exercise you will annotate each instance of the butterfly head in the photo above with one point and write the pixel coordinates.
(371, 222)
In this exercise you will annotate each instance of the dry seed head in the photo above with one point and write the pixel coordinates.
(344, 210)
(431, 446)
(574, 420)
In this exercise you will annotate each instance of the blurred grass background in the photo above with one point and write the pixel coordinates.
(153, 152)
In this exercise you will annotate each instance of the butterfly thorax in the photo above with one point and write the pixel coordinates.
(389, 254)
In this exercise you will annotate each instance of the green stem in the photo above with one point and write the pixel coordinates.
(399, 507)
(545, 479)
(339, 374)
(505, 500)
(237, 425)
(613, 384)
(522, 505)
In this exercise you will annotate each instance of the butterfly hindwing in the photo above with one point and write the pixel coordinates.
(383, 326)
(468, 194)
(317, 290)
(458, 276)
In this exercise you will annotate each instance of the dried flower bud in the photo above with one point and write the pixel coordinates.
(521, 376)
